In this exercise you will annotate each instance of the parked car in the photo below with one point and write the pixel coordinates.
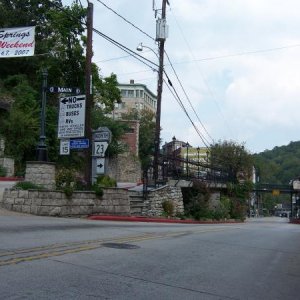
(284, 215)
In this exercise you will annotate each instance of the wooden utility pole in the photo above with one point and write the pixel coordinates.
(88, 94)
(160, 37)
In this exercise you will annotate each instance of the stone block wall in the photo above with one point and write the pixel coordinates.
(42, 173)
(9, 165)
(158, 196)
(125, 168)
(55, 203)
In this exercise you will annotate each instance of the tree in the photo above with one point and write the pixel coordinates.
(60, 43)
(233, 159)
(20, 127)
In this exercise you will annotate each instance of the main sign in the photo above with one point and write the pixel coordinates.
(71, 117)
(62, 89)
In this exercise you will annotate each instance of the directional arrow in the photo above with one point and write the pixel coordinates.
(64, 100)
(100, 165)
(72, 99)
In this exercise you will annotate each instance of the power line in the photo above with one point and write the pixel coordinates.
(177, 98)
(127, 21)
(188, 98)
(147, 62)
(168, 60)
(212, 94)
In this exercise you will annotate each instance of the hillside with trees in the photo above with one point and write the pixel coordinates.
(280, 164)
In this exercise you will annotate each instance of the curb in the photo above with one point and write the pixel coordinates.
(11, 179)
(155, 220)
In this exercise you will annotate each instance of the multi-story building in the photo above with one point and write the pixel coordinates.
(134, 96)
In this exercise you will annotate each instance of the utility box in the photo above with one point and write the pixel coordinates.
(162, 29)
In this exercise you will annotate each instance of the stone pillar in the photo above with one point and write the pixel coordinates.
(42, 173)
(9, 165)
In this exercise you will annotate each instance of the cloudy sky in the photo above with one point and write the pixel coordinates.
(237, 60)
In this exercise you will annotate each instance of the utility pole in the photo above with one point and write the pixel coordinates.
(88, 93)
(161, 32)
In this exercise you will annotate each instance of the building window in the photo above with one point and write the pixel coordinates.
(130, 93)
(137, 94)
(124, 93)
(141, 93)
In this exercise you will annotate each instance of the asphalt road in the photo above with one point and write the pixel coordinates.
(55, 258)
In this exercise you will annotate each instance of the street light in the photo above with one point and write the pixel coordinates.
(160, 57)
(42, 153)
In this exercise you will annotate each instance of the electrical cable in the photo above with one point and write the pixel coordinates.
(188, 98)
(177, 98)
(127, 21)
(169, 62)
(146, 61)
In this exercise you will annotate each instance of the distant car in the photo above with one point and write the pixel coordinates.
(284, 215)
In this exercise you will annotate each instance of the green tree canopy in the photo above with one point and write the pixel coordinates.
(232, 158)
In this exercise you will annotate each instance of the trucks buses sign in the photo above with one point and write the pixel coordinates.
(71, 117)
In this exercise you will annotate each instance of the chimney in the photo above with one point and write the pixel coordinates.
(131, 81)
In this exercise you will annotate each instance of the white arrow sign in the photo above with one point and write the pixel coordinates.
(100, 166)
(71, 117)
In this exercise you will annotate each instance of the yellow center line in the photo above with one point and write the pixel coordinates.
(90, 245)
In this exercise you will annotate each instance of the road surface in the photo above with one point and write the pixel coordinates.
(56, 258)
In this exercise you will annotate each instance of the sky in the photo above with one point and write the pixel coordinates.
(238, 62)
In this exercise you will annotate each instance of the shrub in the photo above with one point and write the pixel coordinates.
(168, 207)
(105, 181)
(223, 209)
(27, 185)
(65, 180)
(64, 177)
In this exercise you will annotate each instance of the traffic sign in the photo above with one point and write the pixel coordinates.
(62, 89)
(100, 148)
(79, 144)
(71, 117)
(64, 147)
(102, 134)
(100, 165)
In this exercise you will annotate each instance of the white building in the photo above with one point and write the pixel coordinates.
(134, 96)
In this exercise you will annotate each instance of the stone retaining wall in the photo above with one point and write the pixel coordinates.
(115, 201)
(42, 173)
(55, 203)
(160, 195)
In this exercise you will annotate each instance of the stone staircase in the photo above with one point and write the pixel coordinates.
(138, 204)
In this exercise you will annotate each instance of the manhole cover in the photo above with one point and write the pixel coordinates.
(120, 246)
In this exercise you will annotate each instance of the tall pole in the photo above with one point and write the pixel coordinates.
(161, 41)
(88, 93)
(42, 153)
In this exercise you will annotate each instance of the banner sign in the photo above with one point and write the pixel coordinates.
(17, 42)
